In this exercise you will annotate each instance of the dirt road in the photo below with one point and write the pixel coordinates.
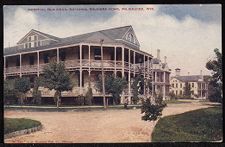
(93, 126)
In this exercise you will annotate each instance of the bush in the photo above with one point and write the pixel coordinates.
(152, 111)
(89, 96)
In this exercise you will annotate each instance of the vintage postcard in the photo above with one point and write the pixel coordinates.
(112, 73)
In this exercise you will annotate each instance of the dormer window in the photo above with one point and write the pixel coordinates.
(130, 37)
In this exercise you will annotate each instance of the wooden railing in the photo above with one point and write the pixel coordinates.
(28, 68)
(12, 69)
(76, 64)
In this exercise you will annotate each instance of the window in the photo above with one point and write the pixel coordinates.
(181, 92)
(31, 60)
(7, 63)
(39, 43)
(192, 84)
(176, 85)
(173, 85)
(29, 45)
(62, 56)
(180, 85)
(35, 37)
(29, 38)
(46, 58)
(26, 45)
(176, 92)
(97, 53)
(130, 37)
(17, 61)
(35, 44)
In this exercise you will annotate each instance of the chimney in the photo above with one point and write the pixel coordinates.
(158, 54)
(177, 72)
(201, 74)
(165, 59)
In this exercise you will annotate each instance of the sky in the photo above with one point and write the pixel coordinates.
(186, 34)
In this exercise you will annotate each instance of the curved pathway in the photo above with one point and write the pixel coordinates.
(94, 126)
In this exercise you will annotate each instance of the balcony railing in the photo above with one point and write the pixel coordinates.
(15, 69)
(76, 64)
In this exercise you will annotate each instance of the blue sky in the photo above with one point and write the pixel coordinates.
(186, 34)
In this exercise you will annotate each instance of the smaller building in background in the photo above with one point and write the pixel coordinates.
(198, 84)
(161, 76)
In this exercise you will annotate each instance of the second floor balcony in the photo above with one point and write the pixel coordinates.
(72, 65)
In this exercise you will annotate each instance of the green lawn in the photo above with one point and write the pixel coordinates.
(199, 125)
(173, 101)
(16, 124)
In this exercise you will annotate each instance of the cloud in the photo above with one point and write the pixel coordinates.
(187, 42)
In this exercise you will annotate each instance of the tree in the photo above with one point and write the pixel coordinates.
(9, 89)
(187, 90)
(136, 86)
(37, 93)
(113, 85)
(215, 82)
(57, 78)
(22, 85)
(152, 110)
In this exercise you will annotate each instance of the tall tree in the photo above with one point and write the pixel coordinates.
(137, 87)
(215, 83)
(57, 78)
(113, 85)
(9, 89)
(37, 93)
(22, 85)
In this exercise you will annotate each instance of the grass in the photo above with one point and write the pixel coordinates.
(173, 101)
(16, 124)
(199, 125)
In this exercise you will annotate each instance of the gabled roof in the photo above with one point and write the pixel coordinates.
(113, 35)
(191, 78)
(40, 33)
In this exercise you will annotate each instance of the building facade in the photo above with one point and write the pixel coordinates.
(161, 76)
(198, 85)
(81, 55)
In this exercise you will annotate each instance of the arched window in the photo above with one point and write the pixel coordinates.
(130, 37)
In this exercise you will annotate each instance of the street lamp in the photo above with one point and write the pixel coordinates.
(103, 75)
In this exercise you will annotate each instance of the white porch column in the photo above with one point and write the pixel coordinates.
(38, 65)
(80, 69)
(122, 61)
(57, 55)
(148, 75)
(115, 61)
(4, 68)
(122, 98)
(155, 81)
(201, 89)
(89, 57)
(164, 85)
(144, 76)
(134, 55)
(129, 82)
(20, 65)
